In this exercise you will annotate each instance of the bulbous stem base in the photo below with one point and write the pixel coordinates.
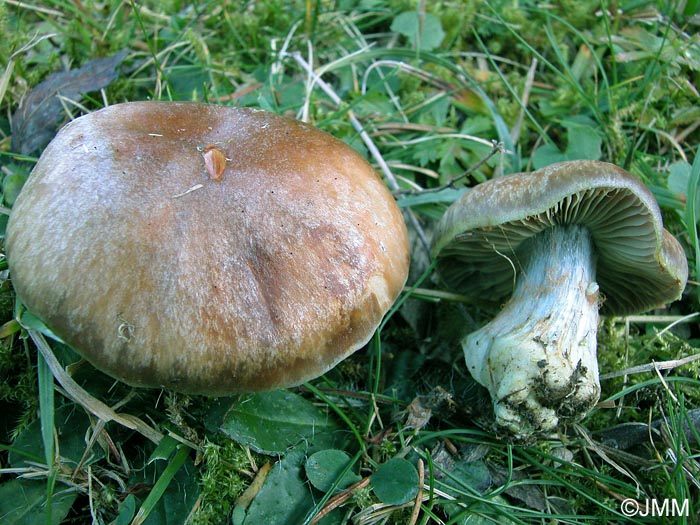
(537, 357)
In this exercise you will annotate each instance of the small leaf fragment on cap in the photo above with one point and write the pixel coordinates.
(215, 162)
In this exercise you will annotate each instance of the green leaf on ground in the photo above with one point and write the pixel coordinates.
(272, 422)
(583, 143)
(395, 482)
(327, 468)
(423, 32)
(284, 497)
(71, 427)
(23, 502)
(173, 491)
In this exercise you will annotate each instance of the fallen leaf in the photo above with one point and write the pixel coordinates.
(41, 113)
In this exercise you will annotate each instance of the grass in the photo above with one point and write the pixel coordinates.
(545, 81)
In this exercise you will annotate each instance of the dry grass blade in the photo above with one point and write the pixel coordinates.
(38, 9)
(419, 496)
(249, 495)
(595, 447)
(84, 399)
(337, 500)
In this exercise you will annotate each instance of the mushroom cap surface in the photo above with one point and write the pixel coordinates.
(481, 236)
(206, 249)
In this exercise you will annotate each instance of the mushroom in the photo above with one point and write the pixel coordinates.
(206, 249)
(565, 241)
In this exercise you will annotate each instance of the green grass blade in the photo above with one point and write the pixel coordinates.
(600, 68)
(161, 485)
(567, 74)
(376, 340)
(692, 214)
(313, 513)
(46, 408)
(46, 416)
(340, 412)
(511, 89)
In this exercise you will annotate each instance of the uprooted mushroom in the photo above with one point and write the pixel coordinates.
(565, 241)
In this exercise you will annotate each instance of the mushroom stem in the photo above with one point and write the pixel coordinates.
(537, 357)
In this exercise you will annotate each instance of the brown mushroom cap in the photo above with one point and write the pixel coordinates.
(480, 238)
(206, 249)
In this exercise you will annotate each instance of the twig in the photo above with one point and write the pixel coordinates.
(651, 367)
(656, 367)
(496, 147)
(672, 319)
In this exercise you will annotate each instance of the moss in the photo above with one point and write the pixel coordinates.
(19, 386)
(221, 481)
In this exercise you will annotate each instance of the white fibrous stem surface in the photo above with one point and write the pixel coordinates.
(537, 357)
